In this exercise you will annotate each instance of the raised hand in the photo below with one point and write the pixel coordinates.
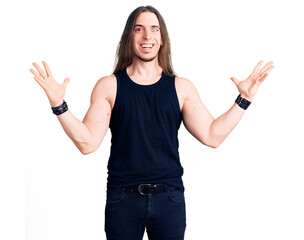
(249, 87)
(54, 91)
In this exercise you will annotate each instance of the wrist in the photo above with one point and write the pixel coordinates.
(60, 109)
(242, 102)
(56, 104)
(246, 97)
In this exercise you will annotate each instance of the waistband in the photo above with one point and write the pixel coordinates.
(146, 189)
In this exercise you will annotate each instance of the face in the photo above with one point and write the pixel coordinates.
(147, 38)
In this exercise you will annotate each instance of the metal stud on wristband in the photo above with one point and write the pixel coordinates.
(242, 102)
(60, 109)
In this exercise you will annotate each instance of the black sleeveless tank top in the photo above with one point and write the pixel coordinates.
(144, 124)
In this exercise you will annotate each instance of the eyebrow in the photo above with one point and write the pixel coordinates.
(139, 25)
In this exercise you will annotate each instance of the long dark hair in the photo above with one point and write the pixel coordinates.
(125, 54)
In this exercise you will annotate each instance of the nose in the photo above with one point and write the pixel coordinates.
(147, 34)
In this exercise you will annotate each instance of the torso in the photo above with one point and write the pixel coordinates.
(181, 93)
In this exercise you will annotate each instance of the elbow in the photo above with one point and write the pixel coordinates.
(211, 144)
(85, 150)
(215, 140)
(214, 145)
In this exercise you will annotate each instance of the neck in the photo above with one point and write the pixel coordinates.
(145, 69)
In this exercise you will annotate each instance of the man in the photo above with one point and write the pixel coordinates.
(144, 103)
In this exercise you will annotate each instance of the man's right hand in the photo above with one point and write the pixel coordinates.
(54, 91)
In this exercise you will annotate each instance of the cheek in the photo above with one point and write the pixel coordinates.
(134, 45)
(160, 40)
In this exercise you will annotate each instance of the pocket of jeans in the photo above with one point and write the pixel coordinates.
(176, 196)
(114, 196)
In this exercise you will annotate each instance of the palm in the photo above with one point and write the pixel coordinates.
(250, 86)
(54, 91)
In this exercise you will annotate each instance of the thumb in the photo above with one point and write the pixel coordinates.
(236, 82)
(66, 82)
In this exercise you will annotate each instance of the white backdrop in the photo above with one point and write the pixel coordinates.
(251, 187)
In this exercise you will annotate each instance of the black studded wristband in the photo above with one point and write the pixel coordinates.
(242, 102)
(60, 109)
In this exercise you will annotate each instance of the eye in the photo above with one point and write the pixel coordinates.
(138, 29)
(154, 29)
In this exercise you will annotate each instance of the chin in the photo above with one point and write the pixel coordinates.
(146, 59)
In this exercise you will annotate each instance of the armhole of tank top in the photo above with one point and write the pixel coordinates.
(176, 97)
(117, 90)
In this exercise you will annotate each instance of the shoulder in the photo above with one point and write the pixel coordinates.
(105, 88)
(185, 86)
(183, 81)
(106, 81)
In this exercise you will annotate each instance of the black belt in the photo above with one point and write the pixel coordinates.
(147, 189)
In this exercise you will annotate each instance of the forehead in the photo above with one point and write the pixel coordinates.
(147, 19)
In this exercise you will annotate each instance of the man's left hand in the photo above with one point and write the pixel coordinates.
(249, 87)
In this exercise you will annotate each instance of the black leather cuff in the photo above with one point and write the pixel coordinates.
(242, 102)
(60, 109)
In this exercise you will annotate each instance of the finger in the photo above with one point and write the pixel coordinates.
(36, 74)
(265, 74)
(41, 83)
(236, 82)
(263, 77)
(267, 70)
(266, 66)
(39, 70)
(66, 82)
(47, 69)
(255, 70)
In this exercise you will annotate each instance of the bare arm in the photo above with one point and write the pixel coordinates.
(88, 134)
(201, 124)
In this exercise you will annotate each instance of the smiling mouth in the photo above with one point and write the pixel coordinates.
(147, 45)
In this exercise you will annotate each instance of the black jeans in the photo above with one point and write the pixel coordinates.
(128, 214)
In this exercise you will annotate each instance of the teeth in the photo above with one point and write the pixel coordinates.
(146, 46)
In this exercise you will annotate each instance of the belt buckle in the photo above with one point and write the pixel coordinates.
(140, 192)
